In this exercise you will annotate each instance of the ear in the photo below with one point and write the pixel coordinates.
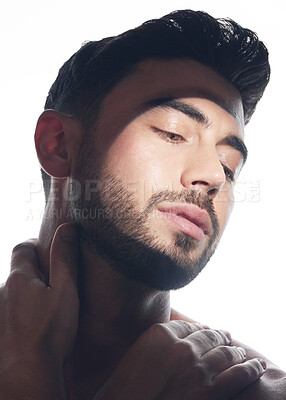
(55, 139)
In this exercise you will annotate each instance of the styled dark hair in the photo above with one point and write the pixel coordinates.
(224, 46)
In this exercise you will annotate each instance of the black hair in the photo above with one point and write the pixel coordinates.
(233, 52)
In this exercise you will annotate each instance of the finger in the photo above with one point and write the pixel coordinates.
(207, 339)
(230, 382)
(176, 315)
(24, 259)
(64, 256)
(182, 329)
(223, 357)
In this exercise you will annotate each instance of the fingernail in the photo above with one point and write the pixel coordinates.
(69, 233)
(263, 363)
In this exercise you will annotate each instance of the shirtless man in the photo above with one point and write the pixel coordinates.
(142, 137)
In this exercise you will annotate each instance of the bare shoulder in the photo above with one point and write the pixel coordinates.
(272, 385)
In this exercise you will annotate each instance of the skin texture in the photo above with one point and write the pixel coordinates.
(121, 321)
(37, 335)
(39, 325)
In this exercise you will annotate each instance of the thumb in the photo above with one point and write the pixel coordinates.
(64, 256)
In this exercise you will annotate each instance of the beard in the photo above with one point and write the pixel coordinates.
(112, 227)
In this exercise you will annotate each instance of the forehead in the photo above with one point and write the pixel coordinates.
(180, 78)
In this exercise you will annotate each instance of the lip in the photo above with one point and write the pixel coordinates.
(188, 218)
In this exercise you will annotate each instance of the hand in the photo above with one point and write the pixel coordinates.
(181, 360)
(38, 323)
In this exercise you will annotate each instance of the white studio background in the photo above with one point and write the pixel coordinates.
(243, 287)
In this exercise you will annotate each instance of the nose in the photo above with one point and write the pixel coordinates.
(204, 173)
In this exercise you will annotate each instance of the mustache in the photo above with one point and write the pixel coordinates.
(187, 196)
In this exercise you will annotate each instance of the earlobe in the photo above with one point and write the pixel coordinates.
(53, 144)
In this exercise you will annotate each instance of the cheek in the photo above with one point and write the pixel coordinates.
(139, 166)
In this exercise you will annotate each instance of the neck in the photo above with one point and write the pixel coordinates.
(114, 311)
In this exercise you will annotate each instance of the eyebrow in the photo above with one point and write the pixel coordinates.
(168, 102)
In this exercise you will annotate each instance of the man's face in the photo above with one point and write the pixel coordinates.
(163, 157)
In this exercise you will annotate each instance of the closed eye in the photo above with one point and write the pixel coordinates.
(176, 139)
(228, 173)
(169, 136)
